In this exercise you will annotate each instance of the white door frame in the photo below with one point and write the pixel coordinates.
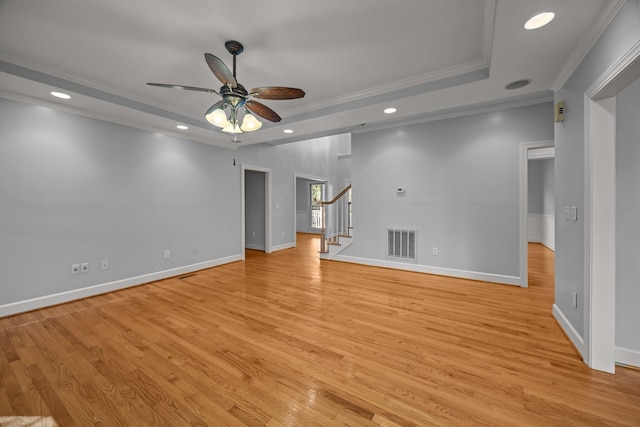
(267, 207)
(297, 175)
(524, 207)
(599, 231)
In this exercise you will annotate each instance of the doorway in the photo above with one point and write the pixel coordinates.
(307, 214)
(601, 318)
(541, 218)
(256, 212)
(529, 151)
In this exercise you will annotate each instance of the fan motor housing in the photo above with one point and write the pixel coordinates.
(235, 96)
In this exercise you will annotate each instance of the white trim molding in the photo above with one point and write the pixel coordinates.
(627, 357)
(284, 246)
(619, 75)
(575, 338)
(599, 225)
(90, 291)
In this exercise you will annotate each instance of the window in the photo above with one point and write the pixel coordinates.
(316, 193)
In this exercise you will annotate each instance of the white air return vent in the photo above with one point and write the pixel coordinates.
(402, 243)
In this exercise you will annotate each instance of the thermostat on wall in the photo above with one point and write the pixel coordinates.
(399, 189)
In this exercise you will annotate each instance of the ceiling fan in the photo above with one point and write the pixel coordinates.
(232, 113)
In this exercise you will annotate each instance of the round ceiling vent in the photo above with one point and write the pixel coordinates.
(517, 84)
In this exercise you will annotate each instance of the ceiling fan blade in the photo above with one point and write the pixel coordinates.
(277, 92)
(221, 71)
(262, 110)
(199, 89)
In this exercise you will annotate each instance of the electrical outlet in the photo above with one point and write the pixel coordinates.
(104, 264)
(84, 267)
(253, 234)
(167, 254)
(434, 251)
(75, 268)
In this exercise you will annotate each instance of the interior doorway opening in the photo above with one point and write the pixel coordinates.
(309, 191)
(541, 217)
(256, 212)
(531, 151)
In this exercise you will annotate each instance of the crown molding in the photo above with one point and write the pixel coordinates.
(610, 10)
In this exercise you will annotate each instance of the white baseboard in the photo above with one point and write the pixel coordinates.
(569, 330)
(62, 297)
(549, 245)
(534, 228)
(463, 274)
(541, 229)
(283, 247)
(628, 357)
(254, 246)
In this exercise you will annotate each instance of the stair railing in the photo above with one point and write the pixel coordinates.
(336, 219)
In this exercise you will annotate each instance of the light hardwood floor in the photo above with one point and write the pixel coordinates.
(285, 339)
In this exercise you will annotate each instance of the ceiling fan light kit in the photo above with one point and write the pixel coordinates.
(233, 112)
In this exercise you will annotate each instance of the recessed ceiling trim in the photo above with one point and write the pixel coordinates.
(71, 78)
(392, 95)
(97, 93)
(400, 85)
(489, 29)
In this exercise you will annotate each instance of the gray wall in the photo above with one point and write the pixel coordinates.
(254, 208)
(535, 192)
(541, 195)
(621, 34)
(461, 177)
(627, 215)
(548, 187)
(74, 190)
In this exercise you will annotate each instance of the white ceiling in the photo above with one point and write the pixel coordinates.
(353, 58)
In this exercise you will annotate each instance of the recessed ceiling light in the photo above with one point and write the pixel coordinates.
(60, 95)
(390, 110)
(517, 84)
(288, 131)
(182, 127)
(540, 20)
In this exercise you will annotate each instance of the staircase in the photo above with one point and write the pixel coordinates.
(336, 224)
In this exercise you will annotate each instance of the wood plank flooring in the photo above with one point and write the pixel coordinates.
(288, 340)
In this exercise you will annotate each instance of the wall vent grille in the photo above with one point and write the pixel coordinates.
(402, 243)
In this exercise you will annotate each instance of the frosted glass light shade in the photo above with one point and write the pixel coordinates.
(250, 123)
(230, 128)
(217, 117)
